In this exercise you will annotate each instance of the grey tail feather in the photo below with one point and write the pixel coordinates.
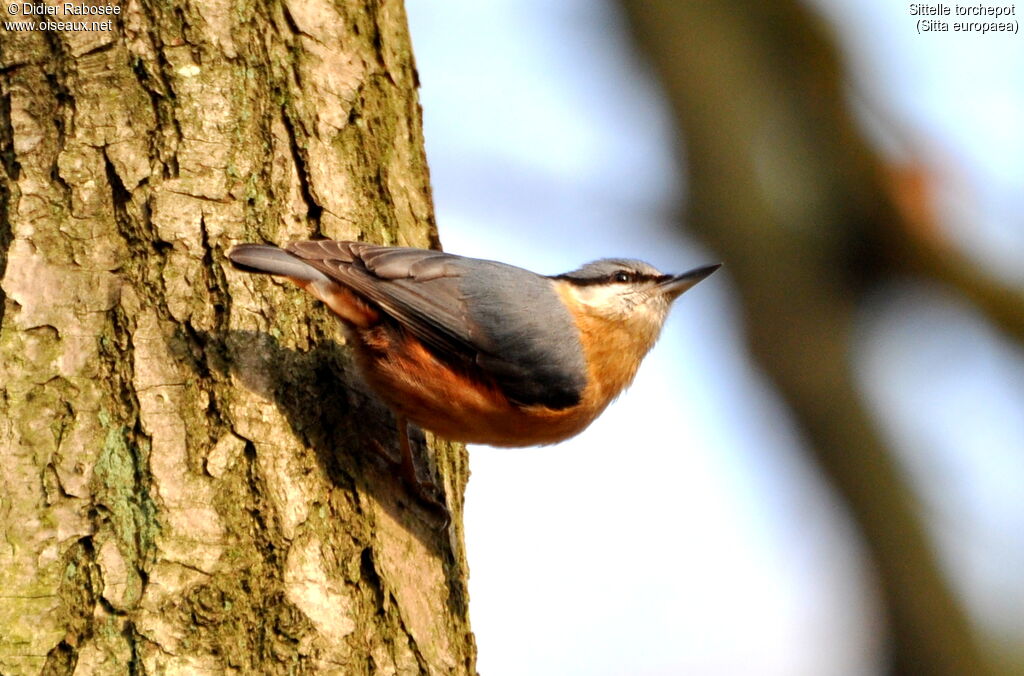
(269, 260)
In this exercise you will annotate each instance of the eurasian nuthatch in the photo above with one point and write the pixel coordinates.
(480, 351)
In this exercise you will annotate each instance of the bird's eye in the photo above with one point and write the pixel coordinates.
(623, 277)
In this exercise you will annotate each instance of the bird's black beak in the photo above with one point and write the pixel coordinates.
(675, 285)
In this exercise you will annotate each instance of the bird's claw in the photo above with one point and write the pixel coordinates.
(426, 492)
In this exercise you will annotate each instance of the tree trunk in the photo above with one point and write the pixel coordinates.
(192, 480)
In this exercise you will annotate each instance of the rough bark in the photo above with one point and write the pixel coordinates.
(189, 477)
(785, 188)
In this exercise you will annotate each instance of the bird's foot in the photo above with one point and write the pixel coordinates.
(426, 492)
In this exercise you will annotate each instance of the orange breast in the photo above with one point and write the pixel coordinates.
(459, 404)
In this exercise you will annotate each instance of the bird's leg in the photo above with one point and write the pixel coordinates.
(424, 490)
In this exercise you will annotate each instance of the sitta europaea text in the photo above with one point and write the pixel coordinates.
(480, 351)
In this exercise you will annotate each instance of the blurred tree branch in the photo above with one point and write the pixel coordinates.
(784, 187)
(923, 248)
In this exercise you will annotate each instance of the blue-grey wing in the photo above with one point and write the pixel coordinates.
(505, 321)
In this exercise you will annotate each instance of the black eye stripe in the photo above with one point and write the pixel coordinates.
(627, 276)
(617, 277)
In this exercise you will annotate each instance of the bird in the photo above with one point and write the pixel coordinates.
(480, 351)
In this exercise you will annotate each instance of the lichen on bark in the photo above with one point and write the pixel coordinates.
(190, 482)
